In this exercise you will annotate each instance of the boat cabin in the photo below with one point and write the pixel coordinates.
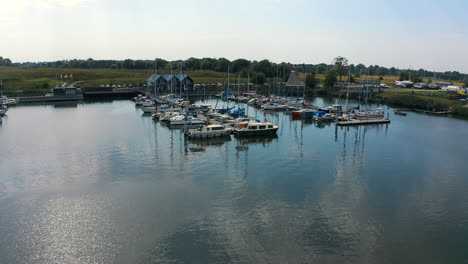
(212, 128)
(259, 126)
(64, 91)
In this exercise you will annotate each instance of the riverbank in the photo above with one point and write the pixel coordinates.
(427, 103)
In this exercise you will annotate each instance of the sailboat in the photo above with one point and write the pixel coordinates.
(368, 113)
(3, 106)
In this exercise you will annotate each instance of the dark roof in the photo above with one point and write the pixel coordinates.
(168, 77)
(293, 80)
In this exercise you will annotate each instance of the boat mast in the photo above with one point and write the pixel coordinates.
(1, 88)
(277, 79)
(180, 82)
(172, 80)
(248, 82)
(238, 88)
(155, 79)
(228, 89)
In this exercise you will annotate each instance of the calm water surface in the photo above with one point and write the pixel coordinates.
(100, 183)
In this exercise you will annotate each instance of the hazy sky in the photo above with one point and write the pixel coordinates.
(430, 34)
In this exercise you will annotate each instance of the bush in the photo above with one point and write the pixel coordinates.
(417, 102)
(460, 110)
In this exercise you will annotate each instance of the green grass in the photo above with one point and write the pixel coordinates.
(37, 79)
(31, 79)
(423, 102)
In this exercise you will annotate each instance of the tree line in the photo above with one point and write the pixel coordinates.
(259, 71)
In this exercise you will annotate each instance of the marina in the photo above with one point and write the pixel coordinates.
(104, 174)
(233, 132)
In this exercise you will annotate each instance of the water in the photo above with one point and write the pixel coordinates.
(100, 183)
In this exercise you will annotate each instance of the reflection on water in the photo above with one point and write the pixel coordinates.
(100, 183)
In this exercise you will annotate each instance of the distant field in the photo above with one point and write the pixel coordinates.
(41, 79)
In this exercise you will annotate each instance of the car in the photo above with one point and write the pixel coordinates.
(383, 85)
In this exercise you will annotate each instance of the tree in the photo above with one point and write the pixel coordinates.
(340, 65)
(351, 79)
(222, 65)
(404, 76)
(360, 68)
(330, 78)
(414, 77)
(310, 81)
(193, 64)
(259, 78)
(321, 68)
(381, 78)
(128, 64)
(266, 67)
(208, 64)
(239, 65)
(465, 81)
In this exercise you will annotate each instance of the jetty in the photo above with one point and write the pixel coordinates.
(363, 122)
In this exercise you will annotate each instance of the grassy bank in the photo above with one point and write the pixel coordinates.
(428, 103)
(39, 79)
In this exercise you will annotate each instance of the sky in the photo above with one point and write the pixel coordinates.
(429, 34)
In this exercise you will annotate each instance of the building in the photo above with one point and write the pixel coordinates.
(168, 83)
(294, 86)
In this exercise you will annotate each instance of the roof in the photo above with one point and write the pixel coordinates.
(153, 78)
(293, 80)
(168, 77)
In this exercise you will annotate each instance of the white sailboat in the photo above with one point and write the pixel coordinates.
(3, 106)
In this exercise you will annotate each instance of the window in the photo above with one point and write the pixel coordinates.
(253, 127)
(270, 126)
(261, 127)
(217, 128)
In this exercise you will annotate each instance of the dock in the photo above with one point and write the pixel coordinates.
(363, 122)
(49, 98)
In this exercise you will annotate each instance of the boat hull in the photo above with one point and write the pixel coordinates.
(149, 109)
(259, 132)
(208, 135)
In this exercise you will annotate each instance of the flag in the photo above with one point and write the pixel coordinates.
(71, 75)
(65, 76)
(61, 77)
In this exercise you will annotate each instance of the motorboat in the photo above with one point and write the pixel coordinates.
(3, 110)
(149, 109)
(209, 131)
(256, 128)
(167, 115)
(369, 114)
(308, 113)
(336, 108)
(186, 120)
(323, 116)
(399, 112)
(8, 101)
